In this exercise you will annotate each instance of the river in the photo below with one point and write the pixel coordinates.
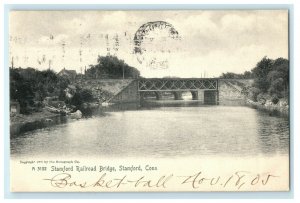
(162, 132)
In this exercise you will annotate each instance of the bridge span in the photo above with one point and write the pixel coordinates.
(203, 90)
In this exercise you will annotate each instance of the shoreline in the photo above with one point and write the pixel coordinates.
(23, 123)
(20, 124)
(273, 110)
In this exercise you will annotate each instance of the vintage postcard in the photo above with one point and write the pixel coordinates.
(149, 100)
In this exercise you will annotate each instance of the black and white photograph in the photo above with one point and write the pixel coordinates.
(149, 100)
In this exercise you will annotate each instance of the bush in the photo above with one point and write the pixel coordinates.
(86, 95)
(262, 98)
(252, 93)
(275, 99)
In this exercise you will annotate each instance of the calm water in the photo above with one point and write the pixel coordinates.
(161, 132)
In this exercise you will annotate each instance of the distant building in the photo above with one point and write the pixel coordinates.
(70, 74)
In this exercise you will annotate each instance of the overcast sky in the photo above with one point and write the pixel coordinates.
(209, 42)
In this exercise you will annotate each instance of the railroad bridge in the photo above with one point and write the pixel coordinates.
(203, 89)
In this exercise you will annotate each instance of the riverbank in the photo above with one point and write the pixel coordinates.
(277, 110)
(161, 132)
(22, 123)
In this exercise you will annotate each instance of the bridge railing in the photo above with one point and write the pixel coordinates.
(180, 84)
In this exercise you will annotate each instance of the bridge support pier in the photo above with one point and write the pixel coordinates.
(195, 95)
(200, 95)
(158, 95)
(211, 97)
(178, 95)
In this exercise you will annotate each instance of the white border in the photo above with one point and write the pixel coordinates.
(296, 43)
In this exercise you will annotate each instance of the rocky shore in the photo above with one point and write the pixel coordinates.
(20, 123)
(279, 109)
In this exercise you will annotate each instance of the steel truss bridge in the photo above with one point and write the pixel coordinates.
(174, 84)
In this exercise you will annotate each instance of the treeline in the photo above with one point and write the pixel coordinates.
(111, 67)
(230, 75)
(271, 80)
(30, 87)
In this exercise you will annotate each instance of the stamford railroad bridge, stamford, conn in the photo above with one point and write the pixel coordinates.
(211, 91)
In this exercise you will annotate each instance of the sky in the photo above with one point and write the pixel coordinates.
(209, 42)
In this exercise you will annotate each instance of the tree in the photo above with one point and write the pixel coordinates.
(260, 73)
(230, 75)
(281, 65)
(20, 90)
(29, 86)
(272, 77)
(111, 67)
(248, 75)
(262, 68)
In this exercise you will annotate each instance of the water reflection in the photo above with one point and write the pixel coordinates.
(160, 132)
(273, 133)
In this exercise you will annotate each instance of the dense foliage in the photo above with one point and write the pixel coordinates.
(111, 67)
(81, 96)
(30, 87)
(271, 79)
(230, 75)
